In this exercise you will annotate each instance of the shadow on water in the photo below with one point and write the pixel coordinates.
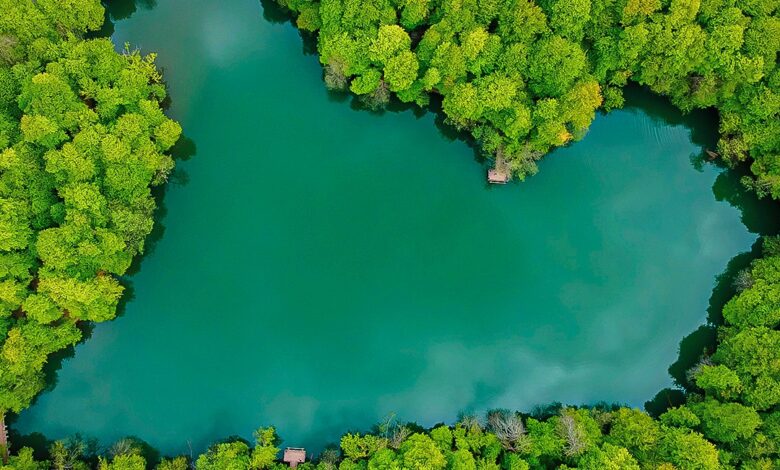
(703, 123)
(275, 13)
(663, 400)
(703, 341)
(116, 10)
(759, 216)
(753, 211)
(183, 150)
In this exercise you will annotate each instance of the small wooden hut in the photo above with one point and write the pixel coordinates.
(293, 456)
(496, 177)
(500, 173)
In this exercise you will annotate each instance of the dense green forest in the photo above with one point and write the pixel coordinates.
(83, 139)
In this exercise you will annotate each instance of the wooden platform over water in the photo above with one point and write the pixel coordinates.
(294, 455)
(497, 177)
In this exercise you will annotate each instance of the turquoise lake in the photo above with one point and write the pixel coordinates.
(318, 267)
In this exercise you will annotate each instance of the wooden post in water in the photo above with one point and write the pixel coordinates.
(3, 439)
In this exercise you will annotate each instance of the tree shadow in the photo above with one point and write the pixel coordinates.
(35, 441)
(703, 341)
(149, 453)
(761, 216)
(123, 9)
(663, 400)
(702, 123)
(309, 40)
(182, 151)
(724, 288)
(117, 10)
(339, 96)
(275, 13)
(700, 343)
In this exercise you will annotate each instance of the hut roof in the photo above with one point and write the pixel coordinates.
(497, 176)
(294, 456)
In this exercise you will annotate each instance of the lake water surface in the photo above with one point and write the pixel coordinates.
(321, 266)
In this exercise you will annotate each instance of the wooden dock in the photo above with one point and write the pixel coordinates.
(497, 177)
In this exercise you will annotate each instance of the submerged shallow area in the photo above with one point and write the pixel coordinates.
(321, 266)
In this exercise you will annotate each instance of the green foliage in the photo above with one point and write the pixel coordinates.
(401, 71)
(384, 459)
(760, 304)
(442, 436)
(462, 105)
(555, 64)
(636, 431)
(177, 463)
(67, 454)
(265, 451)
(24, 460)
(681, 417)
(608, 457)
(719, 381)
(419, 452)
(225, 456)
(754, 354)
(726, 422)
(573, 438)
(462, 459)
(356, 447)
(569, 18)
(687, 450)
(123, 462)
(390, 41)
(546, 444)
